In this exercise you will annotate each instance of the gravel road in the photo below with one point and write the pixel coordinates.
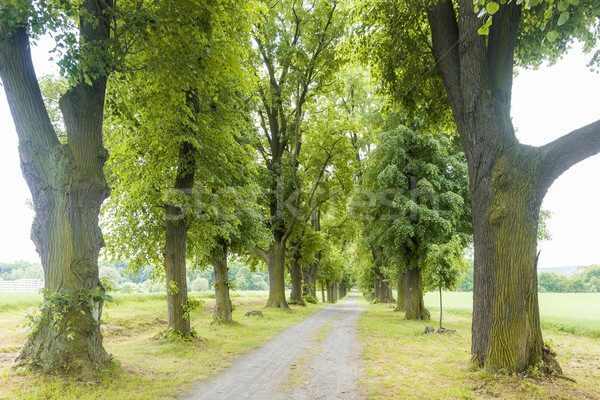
(316, 359)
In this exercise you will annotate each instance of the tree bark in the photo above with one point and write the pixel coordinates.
(296, 277)
(276, 266)
(322, 291)
(401, 300)
(309, 281)
(415, 306)
(223, 308)
(68, 187)
(175, 244)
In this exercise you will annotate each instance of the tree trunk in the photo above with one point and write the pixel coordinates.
(385, 291)
(376, 290)
(175, 244)
(276, 266)
(309, 284)
(440, 307)
(67, 186)
(506, 326)
(296, 277)
(223, 308)
(323, 291)
(401, 300)
(507, 180)
(415, 307)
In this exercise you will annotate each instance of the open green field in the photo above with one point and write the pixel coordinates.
(577, 313)
(145, 367)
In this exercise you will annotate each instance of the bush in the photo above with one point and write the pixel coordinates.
(199, 285)
(311, 299)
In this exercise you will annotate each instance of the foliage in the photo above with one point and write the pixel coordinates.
(446, 265)
(201, 99)
(414, 197)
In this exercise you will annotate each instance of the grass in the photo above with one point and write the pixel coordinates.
(576, 313)
(402, 362)
(145, 368)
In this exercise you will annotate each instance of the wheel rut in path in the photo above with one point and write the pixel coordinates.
(318, 358)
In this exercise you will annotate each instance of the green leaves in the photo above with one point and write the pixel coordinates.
(564, 17)
(492, 8)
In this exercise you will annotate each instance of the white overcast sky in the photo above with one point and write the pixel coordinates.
(547, 103)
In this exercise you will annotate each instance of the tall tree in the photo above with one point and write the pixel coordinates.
(295, 50)
(187, 126)
(420, 200)
(65, 178)
(426, 47)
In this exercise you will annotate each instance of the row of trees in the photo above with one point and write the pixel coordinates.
(254, 128)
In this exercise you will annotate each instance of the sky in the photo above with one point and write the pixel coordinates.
(547, 104)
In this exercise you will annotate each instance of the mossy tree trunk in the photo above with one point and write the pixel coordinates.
(309, 282)
(508, 180)
(275, 258)
(223, 308)
(175, 244)
(68, 187)
(401, 300)
(296, 278)
(415, 306)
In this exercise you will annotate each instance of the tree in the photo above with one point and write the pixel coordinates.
(428, 48)
(419, 201)
(446, 266)
(295, 50)
(65, 176)
(187, 128)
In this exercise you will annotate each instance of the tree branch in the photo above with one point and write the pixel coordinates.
(445, 38)
(262, 254)
(23, 92)
(566, 151)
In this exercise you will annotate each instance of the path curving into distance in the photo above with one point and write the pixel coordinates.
(318, 358)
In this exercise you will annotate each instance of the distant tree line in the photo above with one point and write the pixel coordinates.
(580, 280)
(117, 274)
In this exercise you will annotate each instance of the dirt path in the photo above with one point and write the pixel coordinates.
(316, 359)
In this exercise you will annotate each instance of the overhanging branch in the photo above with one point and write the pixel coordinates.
(566, 151)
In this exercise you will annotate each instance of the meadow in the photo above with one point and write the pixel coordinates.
(576, 313)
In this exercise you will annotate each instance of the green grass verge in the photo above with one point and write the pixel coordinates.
(147, 368)
(402, 362)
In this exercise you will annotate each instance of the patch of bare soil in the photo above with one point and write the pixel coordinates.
(7, 359)
(295, 365)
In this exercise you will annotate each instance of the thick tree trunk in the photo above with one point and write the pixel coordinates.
(506, 326)
(276, 266)
(296, 277)
(309, 282)
(329, 294)
(175, 244)
(175, 270)
(507, 180)
(223, 308)
(401, 300)
(385, 292)
(415, 306)
(67, 186)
